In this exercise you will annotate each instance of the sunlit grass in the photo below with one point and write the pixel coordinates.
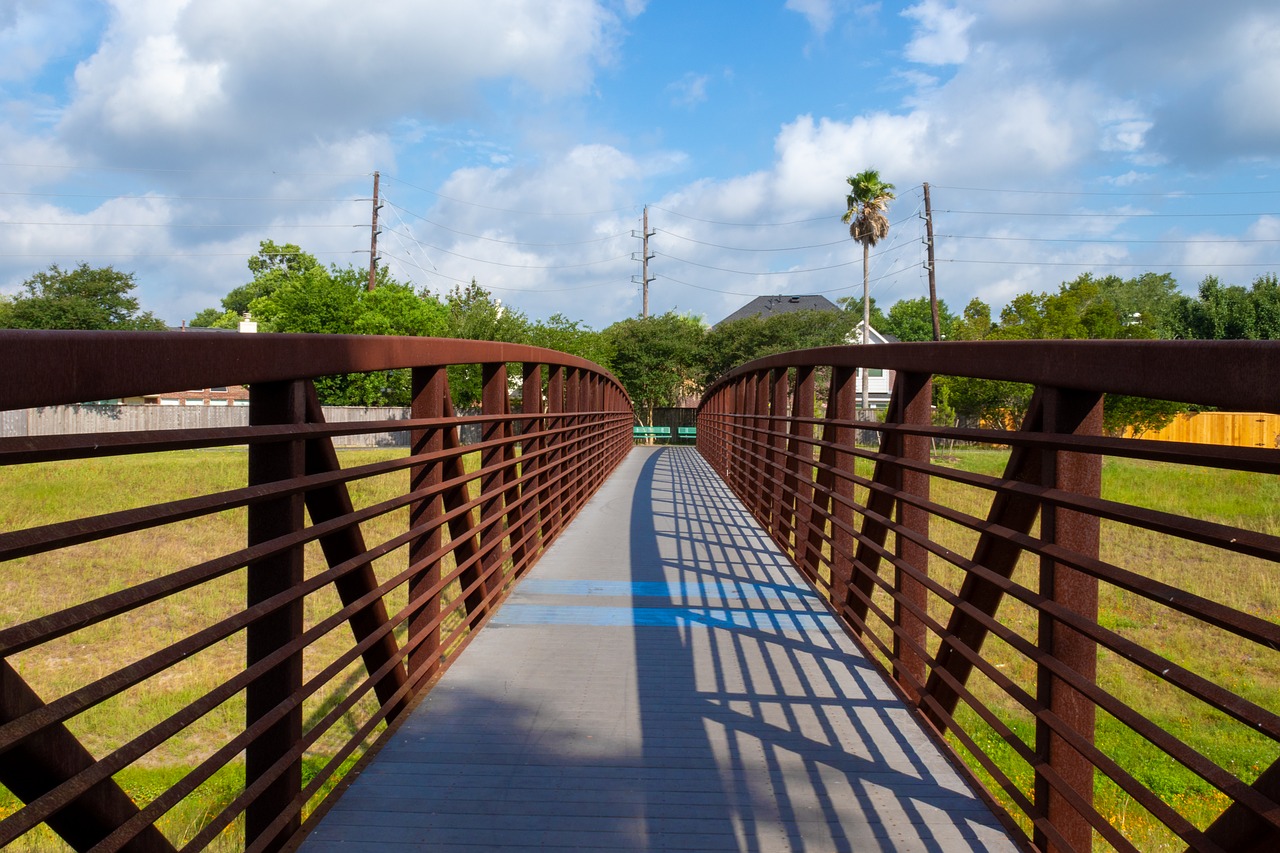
(34, 586)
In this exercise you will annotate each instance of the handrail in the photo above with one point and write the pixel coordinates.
(1004, 608)
(473, 519)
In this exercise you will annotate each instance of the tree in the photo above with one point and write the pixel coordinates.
(82, 298)
(738, 341)
(560, 333)
(474, 314)
(867, 202)
(912, 320)
(656, 358)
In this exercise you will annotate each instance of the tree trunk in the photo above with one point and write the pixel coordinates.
(866, 323)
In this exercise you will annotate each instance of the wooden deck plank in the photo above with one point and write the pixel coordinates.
(662, 680)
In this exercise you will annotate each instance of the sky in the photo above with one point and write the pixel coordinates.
(520, 142)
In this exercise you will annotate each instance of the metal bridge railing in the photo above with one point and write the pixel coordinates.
(1076, 646)
(465, 521)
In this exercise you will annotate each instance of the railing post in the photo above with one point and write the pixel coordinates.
(532, 465)
(553, 477)
(797, 499)
(430, 388)
(912, 405)
(832, 481)
(760, 447)
(274, 403)
(1069, 413)
(777, 444)
(492, 513)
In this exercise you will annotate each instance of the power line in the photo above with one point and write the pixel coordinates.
(1102, 264)
(1177, 194)
(149, 197)
(505, 242)
(752, 249)
(1106, 215)
(180, 225)
(504, 209)
(1106, 240)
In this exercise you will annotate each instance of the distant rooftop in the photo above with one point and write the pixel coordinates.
(767, 306)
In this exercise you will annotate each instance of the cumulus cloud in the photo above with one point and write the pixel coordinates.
(941, 34)
(234, 76)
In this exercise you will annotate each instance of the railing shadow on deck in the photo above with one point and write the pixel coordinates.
(457, 527)
(682, 541)
(979, 595)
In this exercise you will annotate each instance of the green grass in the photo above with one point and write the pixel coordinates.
(40, 584)
(1248, 584)
(33, 586)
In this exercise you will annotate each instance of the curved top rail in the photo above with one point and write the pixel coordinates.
(51, 368)
(1238, 375)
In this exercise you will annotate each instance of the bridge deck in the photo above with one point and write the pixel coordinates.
(662, 680)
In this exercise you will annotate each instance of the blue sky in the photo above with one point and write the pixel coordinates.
(519, 142)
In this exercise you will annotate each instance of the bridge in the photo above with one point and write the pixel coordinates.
(782, 639)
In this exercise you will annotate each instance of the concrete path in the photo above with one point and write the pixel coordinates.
(662, 680)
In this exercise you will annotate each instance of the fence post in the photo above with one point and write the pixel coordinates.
(274, 403)
(1068, 413)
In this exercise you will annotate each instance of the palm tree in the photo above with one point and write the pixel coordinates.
(868, 200)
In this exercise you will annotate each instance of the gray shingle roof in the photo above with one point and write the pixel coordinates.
(767, 306)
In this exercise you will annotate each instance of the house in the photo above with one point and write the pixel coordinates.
(879, 382)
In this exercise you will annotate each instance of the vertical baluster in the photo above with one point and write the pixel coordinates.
(912, 396)
(492, 512)
(1070, 413)
(430, 390)
(777, 444)
(274, 403)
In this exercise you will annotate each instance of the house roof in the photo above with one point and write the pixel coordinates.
(767, 306)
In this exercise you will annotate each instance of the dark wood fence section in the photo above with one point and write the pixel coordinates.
(995, 617)
(478, 517)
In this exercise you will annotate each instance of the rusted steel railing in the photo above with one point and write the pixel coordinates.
(979, 593)
(301, 694)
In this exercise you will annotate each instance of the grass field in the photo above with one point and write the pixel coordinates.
(65, 490)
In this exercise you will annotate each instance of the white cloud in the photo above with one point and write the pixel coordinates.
(35, 32)
(237, 77)
(819, 13)
(689, 91)
(941, 34)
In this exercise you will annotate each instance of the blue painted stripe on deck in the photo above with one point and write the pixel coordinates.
(661, 589)
(515, 613)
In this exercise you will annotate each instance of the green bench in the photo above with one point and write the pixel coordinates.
(686, 432)
(651, 432)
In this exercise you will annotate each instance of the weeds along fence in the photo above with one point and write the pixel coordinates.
(1106, 666)
(337, 597)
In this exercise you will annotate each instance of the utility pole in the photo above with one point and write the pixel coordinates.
(645, 257)
(933, 285)
(373, 240)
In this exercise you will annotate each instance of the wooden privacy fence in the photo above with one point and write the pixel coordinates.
(979, 593)
(462, 524)
(1241, 429)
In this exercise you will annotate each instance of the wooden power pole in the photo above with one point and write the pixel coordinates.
(373, 240)
(933, 284)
